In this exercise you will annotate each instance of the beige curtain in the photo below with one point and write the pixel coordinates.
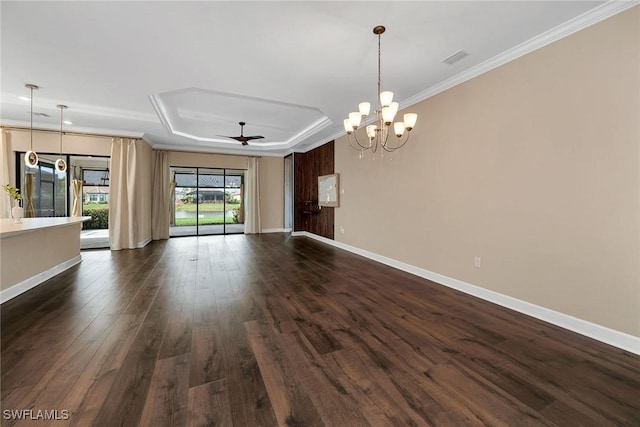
(5, 201)
(172, 192)
(29, 211)
(122, 195)
(241, 210)
(76, 188)
(252, 197)
(160, 196)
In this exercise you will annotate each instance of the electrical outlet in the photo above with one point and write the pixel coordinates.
(342, 230)
(478, 262)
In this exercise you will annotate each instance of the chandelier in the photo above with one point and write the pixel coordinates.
(382, 124)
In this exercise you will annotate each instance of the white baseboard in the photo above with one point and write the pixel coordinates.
(275, 230)
(145, 242)
(34, 281)
(601, 333)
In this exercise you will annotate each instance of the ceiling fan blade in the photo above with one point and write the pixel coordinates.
(243, 139)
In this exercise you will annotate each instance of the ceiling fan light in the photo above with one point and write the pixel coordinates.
(364, 108)
(355, 118)
(410, 120)
(371, 131)
(385, 98)
(398, 127)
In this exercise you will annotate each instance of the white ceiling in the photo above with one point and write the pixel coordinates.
(291, 70)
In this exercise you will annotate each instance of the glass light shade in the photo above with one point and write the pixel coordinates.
(398, 127)
(385, 98)
(61, 165)
(364, 108)
(410, 120)
(347, 126)
(371, 131)
(355, 118)
(30, 159)
(387, 115)
(394, 106)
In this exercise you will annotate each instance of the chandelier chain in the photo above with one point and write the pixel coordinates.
(379, 74)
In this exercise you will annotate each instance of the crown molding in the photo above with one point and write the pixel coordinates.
(70, 129)
(208, 150)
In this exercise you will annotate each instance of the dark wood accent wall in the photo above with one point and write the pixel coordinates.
(307, 168)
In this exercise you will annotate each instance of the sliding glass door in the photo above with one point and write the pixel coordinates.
(207, 201)
(46, 187)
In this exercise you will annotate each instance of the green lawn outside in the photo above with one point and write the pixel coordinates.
(206, 207)
(203, 221)
(95, 206)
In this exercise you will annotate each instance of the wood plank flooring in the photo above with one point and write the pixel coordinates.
(274, 330)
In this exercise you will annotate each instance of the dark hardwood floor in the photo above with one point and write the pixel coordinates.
(273, 330)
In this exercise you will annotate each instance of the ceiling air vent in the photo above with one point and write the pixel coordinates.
(455, 57)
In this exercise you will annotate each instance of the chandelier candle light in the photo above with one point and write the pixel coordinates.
(30, 157)
(61, 164)
(378, 132)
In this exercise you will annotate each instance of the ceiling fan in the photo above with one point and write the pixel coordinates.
(242, 138)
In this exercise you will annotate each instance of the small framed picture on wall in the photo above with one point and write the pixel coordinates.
(329, 190)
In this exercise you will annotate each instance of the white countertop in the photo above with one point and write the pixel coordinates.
(8, 228)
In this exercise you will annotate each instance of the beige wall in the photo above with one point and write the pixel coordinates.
(207, 160)
(271, 192)
(534, 167)
(271, 180)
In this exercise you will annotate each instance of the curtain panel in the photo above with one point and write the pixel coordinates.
(27, 197)
(252, 197)
(5, 200)
(76, 188)
(122, 200)
(160, 196)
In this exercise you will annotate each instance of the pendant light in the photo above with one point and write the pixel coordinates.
(61, 164)
(30, 157)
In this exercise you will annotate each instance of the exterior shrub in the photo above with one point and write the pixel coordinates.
(99, 219)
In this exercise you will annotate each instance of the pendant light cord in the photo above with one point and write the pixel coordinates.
(61, 108)
(31, 117)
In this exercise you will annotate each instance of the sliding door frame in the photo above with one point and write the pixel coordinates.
(224, 200)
